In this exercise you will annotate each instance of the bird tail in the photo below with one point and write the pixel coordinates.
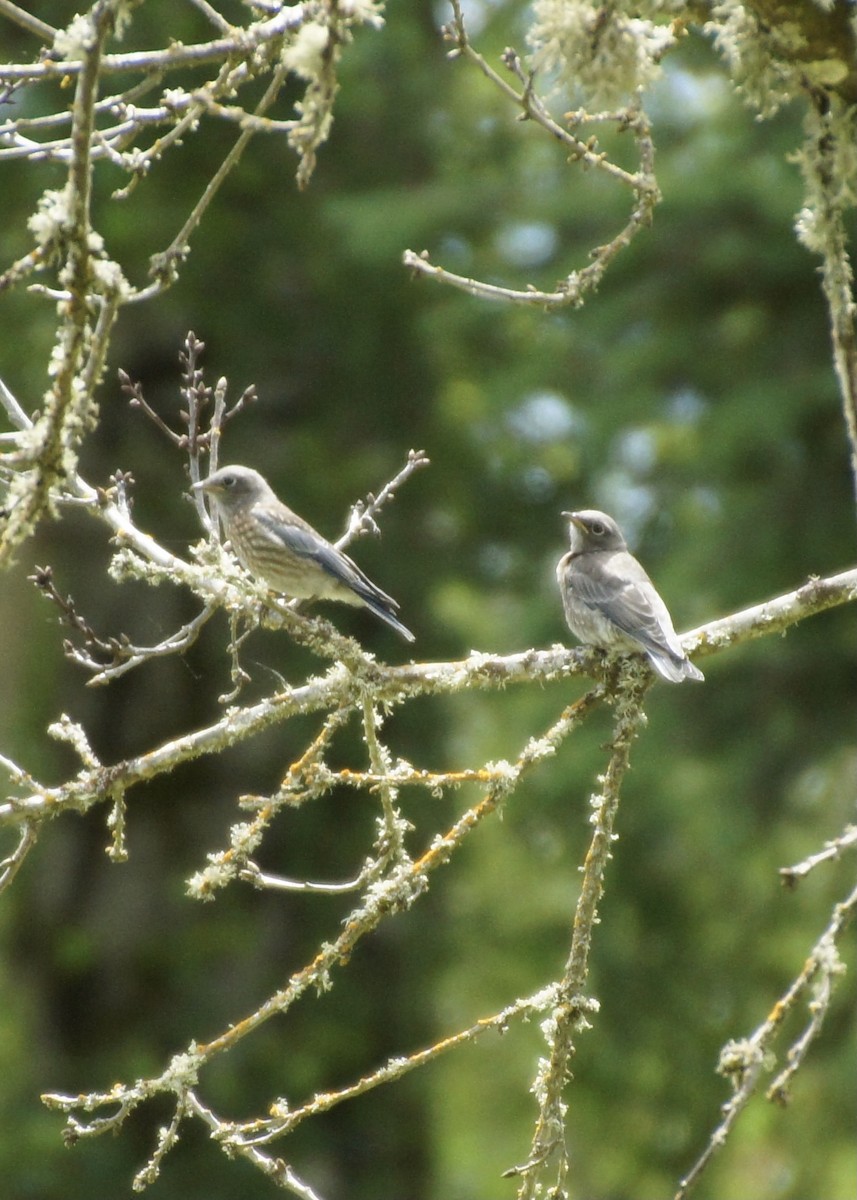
(675, 669)
(375, 606)
(378, 602)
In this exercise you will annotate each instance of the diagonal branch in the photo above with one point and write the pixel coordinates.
(744, 1061)
(546, 1168)
(242, 42)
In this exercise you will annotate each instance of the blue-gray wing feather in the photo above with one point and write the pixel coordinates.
(301, 540)
(628, 599)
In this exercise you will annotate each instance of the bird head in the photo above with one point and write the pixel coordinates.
(233, 487)
(590, 529)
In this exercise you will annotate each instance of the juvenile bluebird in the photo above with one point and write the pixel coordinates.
(280, 548)
(610, 601)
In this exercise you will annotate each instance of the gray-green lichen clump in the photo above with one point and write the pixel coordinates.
(602, 54)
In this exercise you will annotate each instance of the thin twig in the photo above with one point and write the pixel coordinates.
(12, 863)
(260, 1133)
(27, 21)
(178, 55)
(276, 1169)
(847, 840)
(578, 284)
(744, 1061)
(362, 516)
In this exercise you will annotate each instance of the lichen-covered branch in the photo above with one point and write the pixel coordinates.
(285, 1119)
(66, 233)
(341, 685)
(546, 1168)
(133, 132)
(828, 161)
(778, 50)
(743, 1062)
(393, 878)
(394, 889)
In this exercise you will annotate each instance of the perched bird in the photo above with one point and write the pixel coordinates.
(280, 548)
(610, 601)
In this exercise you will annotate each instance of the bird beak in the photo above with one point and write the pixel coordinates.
(202, 486)
(573, 517)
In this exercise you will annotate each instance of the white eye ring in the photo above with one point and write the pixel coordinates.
(597, 528)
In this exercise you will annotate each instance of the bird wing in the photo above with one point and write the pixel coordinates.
(624, 594)
(302, 540)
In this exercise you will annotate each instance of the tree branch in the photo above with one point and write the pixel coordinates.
(744, 1061)
(392, 684)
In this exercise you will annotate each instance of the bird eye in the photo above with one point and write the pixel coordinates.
(597, 528)
(228, 481)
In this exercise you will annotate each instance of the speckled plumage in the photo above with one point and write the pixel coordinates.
(285, 552)
(610, 601)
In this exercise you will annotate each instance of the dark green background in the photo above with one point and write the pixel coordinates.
(694, 398)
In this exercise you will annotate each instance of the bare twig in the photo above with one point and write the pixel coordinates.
(744, 1061)
(16, 414)
(11, 864)
(276, 1169)
(27, 21)
(574, 289)
(137, 400)
(363, 513)
(847, 840)
(252, 874)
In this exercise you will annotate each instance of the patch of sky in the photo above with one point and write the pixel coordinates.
(496, 560)
(636, 450)
(527, 243)
(537, 483)
(545, 416)
(627, 501)
(685, 406)
(455, 249)
(684, 98)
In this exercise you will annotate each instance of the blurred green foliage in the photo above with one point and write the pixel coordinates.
(693, 398)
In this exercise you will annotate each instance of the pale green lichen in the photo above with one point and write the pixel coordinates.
(761, 62)
(363, 12)
(770, 62)
(828, 163)
(304, 55)
(183, 1069)
(110, 278)
(77, 39)
(603, 55)
(52, 218)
